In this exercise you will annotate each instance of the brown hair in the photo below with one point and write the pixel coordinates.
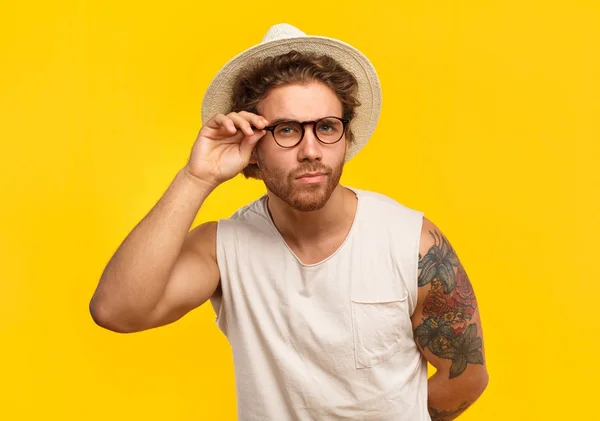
(293, 67)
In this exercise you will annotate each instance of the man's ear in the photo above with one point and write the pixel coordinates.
(253, 157)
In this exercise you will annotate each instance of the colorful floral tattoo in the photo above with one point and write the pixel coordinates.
(447, 330)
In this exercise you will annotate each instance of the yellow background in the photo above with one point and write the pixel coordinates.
(490, 125)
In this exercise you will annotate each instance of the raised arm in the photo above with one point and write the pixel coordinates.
(162, 270)
(447, 327)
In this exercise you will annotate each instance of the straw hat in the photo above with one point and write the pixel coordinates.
(283, 38)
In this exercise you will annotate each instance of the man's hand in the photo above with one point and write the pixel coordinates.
(447, 327)
(224, 146)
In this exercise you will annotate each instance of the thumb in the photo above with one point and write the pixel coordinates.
(248, 143)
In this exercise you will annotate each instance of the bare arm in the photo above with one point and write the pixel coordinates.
(447, 327)
(162, 270)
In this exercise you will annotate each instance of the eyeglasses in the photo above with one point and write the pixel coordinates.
(328, 130)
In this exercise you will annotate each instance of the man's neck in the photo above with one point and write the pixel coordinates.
(310, 228)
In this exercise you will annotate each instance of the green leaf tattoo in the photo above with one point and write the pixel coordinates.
(447, 330)
(439, 263)
(447, 415)
(431, 330)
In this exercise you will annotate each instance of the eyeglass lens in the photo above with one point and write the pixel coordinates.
(327, 130)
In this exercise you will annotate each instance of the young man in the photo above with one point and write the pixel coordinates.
(333, 298)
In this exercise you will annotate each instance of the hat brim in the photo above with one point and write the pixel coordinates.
(217, 97)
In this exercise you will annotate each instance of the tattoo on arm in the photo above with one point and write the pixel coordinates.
(447, 415)
(447, 330)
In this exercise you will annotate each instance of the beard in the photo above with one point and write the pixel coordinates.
(300, 196)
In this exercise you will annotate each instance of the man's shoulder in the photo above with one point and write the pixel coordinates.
(248, 220)
(385, 204)
(249, 211)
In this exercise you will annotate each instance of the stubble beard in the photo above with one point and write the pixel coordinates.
(299, 196)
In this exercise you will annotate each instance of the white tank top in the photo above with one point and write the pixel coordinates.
(325, 341)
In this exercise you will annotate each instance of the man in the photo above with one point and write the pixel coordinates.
(333, 298)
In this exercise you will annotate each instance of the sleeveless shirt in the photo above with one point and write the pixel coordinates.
(326, 341)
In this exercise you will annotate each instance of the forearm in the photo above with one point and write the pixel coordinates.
(448, 398)
(135, 277)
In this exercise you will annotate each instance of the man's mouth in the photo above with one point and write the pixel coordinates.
(311, 177)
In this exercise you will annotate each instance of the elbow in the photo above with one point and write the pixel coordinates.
(473, 384)
(479, 383)
(486, 381)
(105, 316)
(102, 317)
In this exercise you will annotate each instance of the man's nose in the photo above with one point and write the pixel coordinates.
(310, 147)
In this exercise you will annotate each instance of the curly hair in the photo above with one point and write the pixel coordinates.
(293, 67)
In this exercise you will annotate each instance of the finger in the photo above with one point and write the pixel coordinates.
(217, 121)
(255, 120)
(242, 124)
(248, 143)
(223, 121)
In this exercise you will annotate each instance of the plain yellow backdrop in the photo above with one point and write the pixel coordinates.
(490, 125)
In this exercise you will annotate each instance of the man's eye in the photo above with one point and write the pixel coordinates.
(286, 130)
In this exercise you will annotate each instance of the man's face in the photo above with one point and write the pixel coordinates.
(282, 168)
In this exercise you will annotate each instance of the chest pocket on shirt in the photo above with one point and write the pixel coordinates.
(379, 327)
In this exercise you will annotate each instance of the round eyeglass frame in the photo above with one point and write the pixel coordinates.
(272, 128)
